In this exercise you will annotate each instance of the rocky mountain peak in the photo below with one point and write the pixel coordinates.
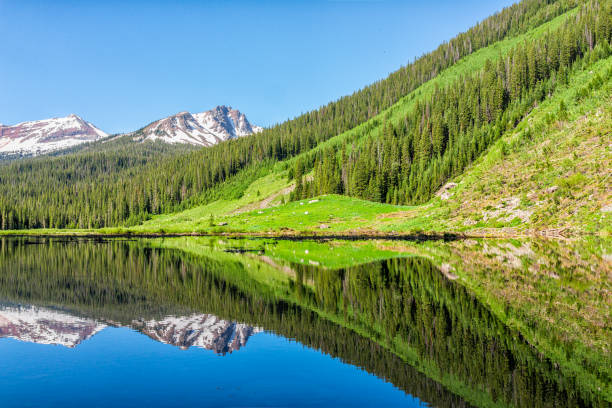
(201, 129)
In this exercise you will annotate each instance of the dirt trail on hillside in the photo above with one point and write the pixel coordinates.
(265, 203)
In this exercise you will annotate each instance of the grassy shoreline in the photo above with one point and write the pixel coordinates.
(307, 235)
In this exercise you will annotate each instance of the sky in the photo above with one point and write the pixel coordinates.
(124, 64)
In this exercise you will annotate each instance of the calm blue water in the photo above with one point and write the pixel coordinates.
(120, 367)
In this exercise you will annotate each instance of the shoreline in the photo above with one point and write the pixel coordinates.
(310, 235)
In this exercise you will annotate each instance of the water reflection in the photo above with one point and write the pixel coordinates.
(49, 326)
(401, 319)
(204, 331)
(45, 326)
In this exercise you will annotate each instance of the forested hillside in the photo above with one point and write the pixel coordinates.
(43, 185)
(446, 131)
(411, 157)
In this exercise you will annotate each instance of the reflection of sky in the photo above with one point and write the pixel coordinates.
(120, 367)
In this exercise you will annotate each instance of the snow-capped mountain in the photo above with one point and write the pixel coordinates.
(200, 129)
(48, 326)
(45, 326)
(48, 135)
(199, 330)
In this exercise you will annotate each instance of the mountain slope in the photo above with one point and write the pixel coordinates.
(547, 175)
(186, 181)
(411, 150)
(200, 129)
(550, 173)
(44, 136)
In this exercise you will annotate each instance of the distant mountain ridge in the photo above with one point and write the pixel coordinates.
(202, 129)
(47, 135)
(50, 135)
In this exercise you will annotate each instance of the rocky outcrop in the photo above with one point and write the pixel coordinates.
(445, 192)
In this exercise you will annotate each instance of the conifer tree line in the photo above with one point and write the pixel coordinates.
(69, 191)
(410, 159)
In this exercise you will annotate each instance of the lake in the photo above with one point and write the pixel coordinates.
(276, 323)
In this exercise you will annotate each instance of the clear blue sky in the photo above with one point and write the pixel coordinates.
(122, 64)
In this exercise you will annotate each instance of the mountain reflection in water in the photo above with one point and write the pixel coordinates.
(401, 319)
(49, 326)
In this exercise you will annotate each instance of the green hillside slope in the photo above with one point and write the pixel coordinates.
(549, 171)
(40, 198)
